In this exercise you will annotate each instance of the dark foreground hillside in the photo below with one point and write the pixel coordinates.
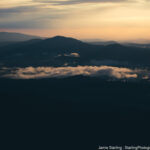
(94, 112)
(77, 94)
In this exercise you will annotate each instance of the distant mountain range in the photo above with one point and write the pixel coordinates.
(146, 45)
(103, 42)
(15, 37)
(64, 51)
(134, 43)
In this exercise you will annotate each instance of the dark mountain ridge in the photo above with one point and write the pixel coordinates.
(57, 51)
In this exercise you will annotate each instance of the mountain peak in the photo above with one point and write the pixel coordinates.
(63, 39)
(58, 37)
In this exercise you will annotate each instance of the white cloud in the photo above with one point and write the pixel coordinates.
(61, 72)
(72, 55)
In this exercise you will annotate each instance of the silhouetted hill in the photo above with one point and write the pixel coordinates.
(15, 37)
(63, 40)
(60, 50)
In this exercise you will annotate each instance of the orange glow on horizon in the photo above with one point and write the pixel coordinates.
(118, 34)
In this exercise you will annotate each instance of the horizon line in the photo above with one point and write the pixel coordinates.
(138, 40)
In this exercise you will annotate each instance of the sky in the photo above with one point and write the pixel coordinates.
(82, 19)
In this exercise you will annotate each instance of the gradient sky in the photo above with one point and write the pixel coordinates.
(83, 19)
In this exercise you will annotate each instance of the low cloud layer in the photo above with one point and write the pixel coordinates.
(61, 72)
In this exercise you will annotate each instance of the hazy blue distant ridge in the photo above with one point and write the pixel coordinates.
(15, 37)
